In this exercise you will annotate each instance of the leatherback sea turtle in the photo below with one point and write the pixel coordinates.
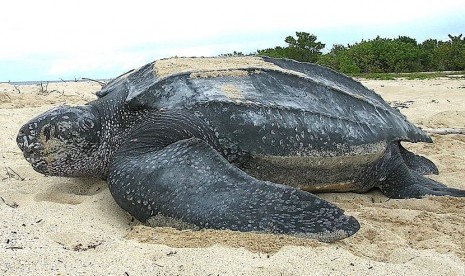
(203, 141)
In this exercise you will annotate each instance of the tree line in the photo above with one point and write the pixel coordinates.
(380, 55)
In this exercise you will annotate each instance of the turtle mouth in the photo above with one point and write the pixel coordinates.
(38, 162)
(33, 152)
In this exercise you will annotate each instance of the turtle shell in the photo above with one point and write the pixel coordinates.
(268, 106)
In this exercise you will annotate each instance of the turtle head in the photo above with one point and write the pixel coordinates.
(62, 141)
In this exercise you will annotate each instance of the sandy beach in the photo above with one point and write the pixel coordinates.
(63, 226)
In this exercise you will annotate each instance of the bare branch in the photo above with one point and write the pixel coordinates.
(17, 89)
(102, 83)
(400, 104)
(8, 169)
(43, 89)
(10, 204)
(8, 96)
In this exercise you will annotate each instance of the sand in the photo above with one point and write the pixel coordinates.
(211, 67)
(61, 226)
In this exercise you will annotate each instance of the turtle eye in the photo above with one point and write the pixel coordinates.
(86, 124)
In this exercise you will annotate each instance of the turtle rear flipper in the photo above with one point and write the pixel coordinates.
(420, 164)
(397, 180)
(406, 183)
(190, 181)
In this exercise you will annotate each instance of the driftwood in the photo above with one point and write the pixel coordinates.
(13, 173)
(43, 89)
(102, 83)
(17, 89)
(444, 131)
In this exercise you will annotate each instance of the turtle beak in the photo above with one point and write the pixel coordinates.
(28, 138)
(29, 144)
(25, 140)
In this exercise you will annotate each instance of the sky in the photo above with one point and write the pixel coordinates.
(53, 40)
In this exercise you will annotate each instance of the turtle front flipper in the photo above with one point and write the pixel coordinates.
(189, 181)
